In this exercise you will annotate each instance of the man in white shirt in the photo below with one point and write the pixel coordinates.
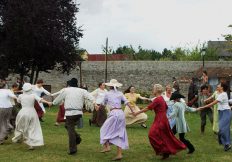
(73, 98)
(5, 112)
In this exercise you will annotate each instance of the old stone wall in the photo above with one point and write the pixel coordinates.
(141, 74)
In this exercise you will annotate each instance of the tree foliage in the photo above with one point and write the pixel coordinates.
(177, 54)
(37, 35)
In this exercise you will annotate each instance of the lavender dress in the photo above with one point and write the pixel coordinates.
(114, 128)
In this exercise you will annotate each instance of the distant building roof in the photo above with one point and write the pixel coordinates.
(110, 57)
(223, 48)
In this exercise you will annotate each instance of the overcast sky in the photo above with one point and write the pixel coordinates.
(153, 24)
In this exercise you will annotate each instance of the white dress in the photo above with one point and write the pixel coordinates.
(27, 122)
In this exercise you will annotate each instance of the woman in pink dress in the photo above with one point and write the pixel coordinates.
(113, 131)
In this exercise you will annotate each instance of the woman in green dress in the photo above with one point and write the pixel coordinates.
(215, 111)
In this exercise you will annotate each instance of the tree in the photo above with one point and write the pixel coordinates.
(3, 67)
(228, 37)
(126, 50)
(146, 54)
(167, 54)
(38, 35)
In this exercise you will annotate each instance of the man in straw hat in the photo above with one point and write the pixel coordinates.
(73, 98)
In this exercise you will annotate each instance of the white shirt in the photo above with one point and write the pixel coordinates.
(73, 100)
(5, 98)
(223, 101)
(99, 95)
(12, 100)
(38, 91)
(57, 93)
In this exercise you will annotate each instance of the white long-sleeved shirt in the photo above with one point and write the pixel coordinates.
(57, 93)
(5, 98)
(99, 95)
(73, 100)
(38, 91)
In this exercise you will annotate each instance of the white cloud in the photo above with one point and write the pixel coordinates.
(153, 24)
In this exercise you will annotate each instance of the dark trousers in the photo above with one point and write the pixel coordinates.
(182, 139)
(203, 118)
(100, 116)
(186, 142)
(74, 137)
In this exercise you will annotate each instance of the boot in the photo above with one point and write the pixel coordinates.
(202, 129)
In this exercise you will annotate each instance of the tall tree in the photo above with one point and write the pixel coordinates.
(38, 35)
(126, 50)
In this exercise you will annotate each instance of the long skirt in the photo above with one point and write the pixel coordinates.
(224, 127)
(60, 115)
(28, 128)
(161, 137)
(39, 109)
(114, 130)
(215, 118)
(130, 119)
(5, 126)
(100, 116)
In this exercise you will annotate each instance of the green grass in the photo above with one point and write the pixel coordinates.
(56, 144)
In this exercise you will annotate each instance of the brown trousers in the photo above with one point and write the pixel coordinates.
(74, 137)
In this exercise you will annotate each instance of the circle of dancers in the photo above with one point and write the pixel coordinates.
(168, 105)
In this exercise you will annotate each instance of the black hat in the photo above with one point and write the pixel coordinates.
(73, 82)
(175, 96)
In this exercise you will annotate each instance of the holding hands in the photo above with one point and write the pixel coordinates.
(96, 107)
(49, 104)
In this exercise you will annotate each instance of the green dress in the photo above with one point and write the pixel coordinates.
(215, 114)
(178, 113)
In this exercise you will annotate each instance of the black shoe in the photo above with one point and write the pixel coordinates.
(90, 122)
(165, 156)
(191, 151)
(41, 120)
(227, 147)
(72, 152)
(78, 140)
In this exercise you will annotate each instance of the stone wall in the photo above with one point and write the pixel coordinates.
(141, 74)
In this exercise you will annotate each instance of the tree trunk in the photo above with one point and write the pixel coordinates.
(36, 75)
(80, 73)
(32, 73)
(21, 80)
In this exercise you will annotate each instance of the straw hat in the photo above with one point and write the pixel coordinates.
(27, 87)
(113, 83)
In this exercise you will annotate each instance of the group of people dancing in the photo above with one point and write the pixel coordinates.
(169, 107)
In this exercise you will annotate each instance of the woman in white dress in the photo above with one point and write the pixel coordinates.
(38, 90)
(27, 122)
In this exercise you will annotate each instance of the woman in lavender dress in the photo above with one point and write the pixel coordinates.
(113, 131)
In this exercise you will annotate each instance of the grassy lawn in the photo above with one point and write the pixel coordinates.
(56, 144)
